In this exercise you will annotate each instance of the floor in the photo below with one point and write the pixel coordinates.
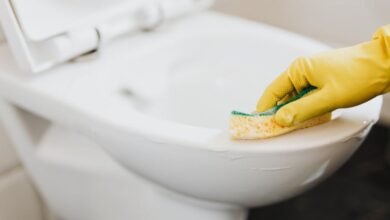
(358, 191)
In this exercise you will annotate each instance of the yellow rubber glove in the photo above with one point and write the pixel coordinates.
(345, 77)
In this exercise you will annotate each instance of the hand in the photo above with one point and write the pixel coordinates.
(345, 77)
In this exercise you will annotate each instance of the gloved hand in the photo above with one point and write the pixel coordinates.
(345, 77)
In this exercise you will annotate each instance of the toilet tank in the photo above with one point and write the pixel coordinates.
(337, 23)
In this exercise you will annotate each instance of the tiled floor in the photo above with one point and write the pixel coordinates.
(358, 191)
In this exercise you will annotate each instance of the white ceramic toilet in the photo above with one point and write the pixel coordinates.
(136, 128)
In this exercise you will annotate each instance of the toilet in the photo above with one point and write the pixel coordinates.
(123, 114)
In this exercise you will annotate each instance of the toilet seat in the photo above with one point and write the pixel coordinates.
(74, 91)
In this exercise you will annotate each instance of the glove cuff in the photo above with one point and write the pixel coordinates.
(383, 32)
(383, 35)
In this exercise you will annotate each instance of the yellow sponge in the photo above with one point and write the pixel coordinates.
(259, 127)
(262, 125)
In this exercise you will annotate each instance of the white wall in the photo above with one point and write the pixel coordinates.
(335, 22)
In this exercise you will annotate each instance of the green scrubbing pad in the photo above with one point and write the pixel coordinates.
(273, 110)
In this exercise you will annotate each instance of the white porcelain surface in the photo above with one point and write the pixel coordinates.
(159, 103)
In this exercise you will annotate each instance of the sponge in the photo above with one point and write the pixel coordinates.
(262, 125)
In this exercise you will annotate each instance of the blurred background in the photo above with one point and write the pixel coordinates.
(359, 191)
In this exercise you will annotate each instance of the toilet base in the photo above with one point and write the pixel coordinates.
(167, 205)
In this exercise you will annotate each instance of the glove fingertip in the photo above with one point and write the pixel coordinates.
(284, 117)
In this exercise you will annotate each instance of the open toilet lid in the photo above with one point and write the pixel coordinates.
(45, 33)
(41, 19)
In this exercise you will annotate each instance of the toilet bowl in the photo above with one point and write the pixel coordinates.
(140, 131)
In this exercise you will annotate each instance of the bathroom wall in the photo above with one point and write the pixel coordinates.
(337, 23)
(18, 198)
(1, 35)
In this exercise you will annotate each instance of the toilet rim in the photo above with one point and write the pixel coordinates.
(350, 125)
(353, 124)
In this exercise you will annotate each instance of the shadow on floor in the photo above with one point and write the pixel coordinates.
(360, 190)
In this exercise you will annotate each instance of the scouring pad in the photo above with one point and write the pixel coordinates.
(262, 124)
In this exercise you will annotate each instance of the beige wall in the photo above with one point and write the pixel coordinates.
(18, 198)
(338, 22)
(1, 35)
